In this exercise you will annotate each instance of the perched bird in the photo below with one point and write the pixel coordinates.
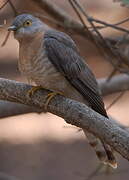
(51, 59)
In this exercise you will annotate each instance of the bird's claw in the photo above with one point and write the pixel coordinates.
(50, 96)
(31, 92)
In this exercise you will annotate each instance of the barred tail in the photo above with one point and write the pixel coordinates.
(103, 151)
(110, 156)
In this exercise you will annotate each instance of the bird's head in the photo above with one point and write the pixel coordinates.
(26, 26)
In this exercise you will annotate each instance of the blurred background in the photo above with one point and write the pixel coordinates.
(42, 146)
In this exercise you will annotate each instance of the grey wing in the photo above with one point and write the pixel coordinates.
(62, 52)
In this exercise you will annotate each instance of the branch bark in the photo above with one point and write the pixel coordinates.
(74, 112)
(11, 109)
(115, 84)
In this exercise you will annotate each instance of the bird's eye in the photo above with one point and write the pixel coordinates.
(27, 23)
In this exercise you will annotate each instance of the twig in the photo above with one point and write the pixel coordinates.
(113, 72)
(13, 8)
(108, 49)
(110, 25)
(61, 16)
(15, 12)
(73, 26)
(121, 22)
(6, 39)
(5, 22)
(116, 84)
(99, 47)
(116, 24)
(115, 100)
(89, 33)
(12, 109)
(4, 4)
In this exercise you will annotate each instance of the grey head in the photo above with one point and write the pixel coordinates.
(26, 26)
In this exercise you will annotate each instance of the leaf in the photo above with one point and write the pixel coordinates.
(123, 2)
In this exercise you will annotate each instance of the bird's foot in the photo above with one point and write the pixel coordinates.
(50, 96)
(33, 90)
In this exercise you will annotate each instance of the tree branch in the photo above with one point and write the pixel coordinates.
(74, 112)
(60, 15)
(115, 84)
(11, 109)
(106, 45)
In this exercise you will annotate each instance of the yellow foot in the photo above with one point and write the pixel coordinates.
(33, 90)
(50, 96)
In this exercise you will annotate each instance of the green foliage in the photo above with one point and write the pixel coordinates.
(123, 2)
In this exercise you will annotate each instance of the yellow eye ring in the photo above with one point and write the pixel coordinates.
(27, 23)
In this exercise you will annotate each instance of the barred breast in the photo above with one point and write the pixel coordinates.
(36, 66)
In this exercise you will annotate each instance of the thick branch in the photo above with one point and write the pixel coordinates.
(115, 84)
(74, 112)
(11, 109)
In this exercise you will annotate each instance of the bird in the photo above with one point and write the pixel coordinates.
(51, 60)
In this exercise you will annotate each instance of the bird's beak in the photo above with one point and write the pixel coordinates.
(12, 28)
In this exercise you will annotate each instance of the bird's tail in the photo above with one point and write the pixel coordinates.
(103, 151)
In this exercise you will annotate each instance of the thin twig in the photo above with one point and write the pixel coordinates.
(82, 21)
(3, 25)
(116, 24)
(4, 4)
(112, 73)
(6, 39)
(109, 25)
(89, 18)
(71, 25)
(118, 83)
(115, 100)
(109, 49)
(13, 8)
(89, 33)
(15, 13)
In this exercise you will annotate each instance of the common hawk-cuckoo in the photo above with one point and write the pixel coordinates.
(51, 59)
